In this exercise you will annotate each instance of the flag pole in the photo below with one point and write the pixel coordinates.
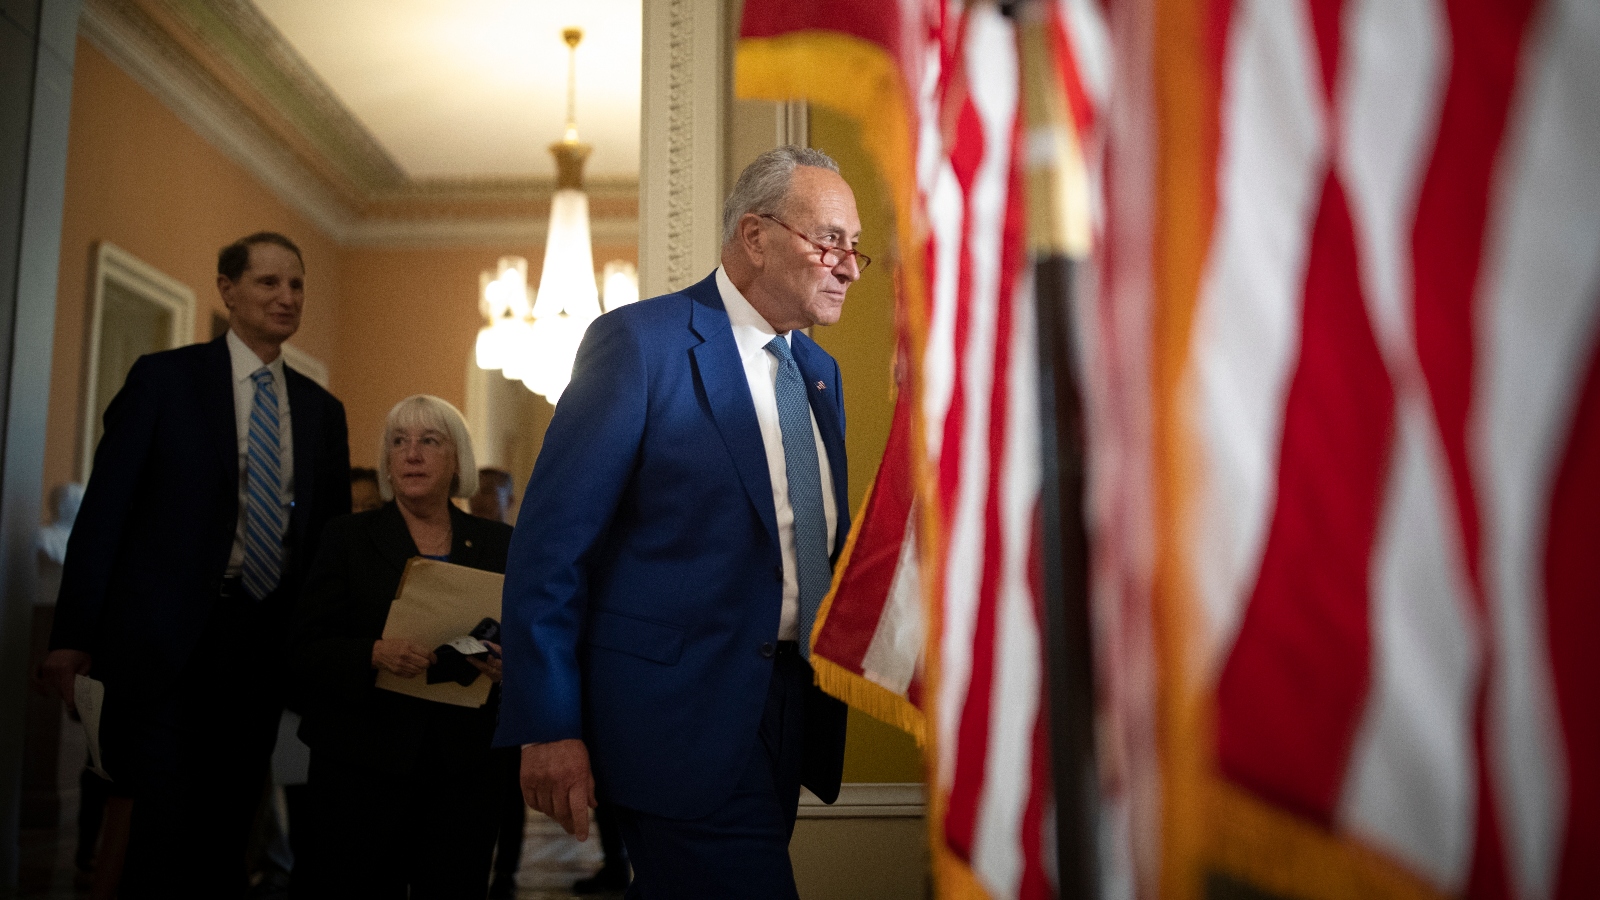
(1058, 236)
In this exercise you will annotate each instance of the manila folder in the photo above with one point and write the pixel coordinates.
(439, 602)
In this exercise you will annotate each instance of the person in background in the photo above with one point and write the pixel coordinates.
(364, 493)
(674, 544)
(65, 499)
(494, 497)
(401, 790)
(218, 468)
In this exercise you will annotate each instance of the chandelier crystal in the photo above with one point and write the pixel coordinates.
(536, 342)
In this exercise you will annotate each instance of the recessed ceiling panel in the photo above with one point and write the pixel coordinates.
(476, 88)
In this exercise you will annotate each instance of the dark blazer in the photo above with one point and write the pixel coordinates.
(341, 613)
(645, 581)
(151, 543)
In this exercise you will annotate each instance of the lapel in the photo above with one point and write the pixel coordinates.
(817, 368)
(392, 537)
(216, 387)
(304, 409)
(721, 375)
(466, 549)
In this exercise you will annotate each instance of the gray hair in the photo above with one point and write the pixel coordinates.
(426, 411)
(764, 184)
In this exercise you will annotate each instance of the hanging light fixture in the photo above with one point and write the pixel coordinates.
(620, 282)
(503, 300)
(537, 342)
(567, 300)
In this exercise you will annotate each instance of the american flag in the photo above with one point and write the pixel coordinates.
(1345, 442)
(1348, 473)
(935, 620)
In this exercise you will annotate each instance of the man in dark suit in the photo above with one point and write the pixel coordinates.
(218, 468)
(674, 543)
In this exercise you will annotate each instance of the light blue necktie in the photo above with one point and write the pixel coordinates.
(805, 489)
(263, 490)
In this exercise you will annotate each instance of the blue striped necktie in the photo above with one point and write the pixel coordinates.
(263, 492)
(805, 489)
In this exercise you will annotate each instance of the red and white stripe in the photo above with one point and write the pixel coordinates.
(980, 412)
(1536, 303)
(1393, 382)
(989, 696)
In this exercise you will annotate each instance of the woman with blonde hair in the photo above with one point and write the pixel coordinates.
(401, 789)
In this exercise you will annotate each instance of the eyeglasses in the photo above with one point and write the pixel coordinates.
(429, 440)
(831, 256)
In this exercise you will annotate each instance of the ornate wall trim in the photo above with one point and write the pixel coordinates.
(682, 142)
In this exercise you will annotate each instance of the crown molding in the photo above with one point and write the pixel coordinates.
(244, 48)
(139, 47)
(475, 232)
(349, 189)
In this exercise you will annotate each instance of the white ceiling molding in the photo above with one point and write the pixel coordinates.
(472, 232)
(296, 92)
(138, 46)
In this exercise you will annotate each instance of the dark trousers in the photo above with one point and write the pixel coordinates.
(741, 850)
(92, 793)
(613, 857)
(426, 833)
(194, 757)
(510, 811)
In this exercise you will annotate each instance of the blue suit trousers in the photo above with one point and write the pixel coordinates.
(741, 849)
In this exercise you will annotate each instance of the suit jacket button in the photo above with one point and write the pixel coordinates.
(767, 649)
(778, 570)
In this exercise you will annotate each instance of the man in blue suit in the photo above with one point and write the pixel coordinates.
(673, 545)
(218, 468)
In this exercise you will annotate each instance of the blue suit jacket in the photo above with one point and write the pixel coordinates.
(151, 542)
(645, 576)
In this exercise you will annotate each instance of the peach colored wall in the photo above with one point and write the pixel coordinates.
(141, 179)
(408, 322)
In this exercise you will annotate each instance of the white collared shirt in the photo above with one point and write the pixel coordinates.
(752, 333)
(245, 364)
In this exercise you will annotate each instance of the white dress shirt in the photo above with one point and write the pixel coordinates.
(752, 333)
(245, 364)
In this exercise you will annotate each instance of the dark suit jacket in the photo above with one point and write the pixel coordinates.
(645, 580)
(151, 543)
(342, 612)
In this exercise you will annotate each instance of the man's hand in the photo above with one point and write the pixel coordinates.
(58, 670)
(401, 657)
(556, 781)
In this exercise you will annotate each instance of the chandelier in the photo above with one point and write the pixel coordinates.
(533, 337)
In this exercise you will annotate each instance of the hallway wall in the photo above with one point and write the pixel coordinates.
(863, 342)
(141, 179)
